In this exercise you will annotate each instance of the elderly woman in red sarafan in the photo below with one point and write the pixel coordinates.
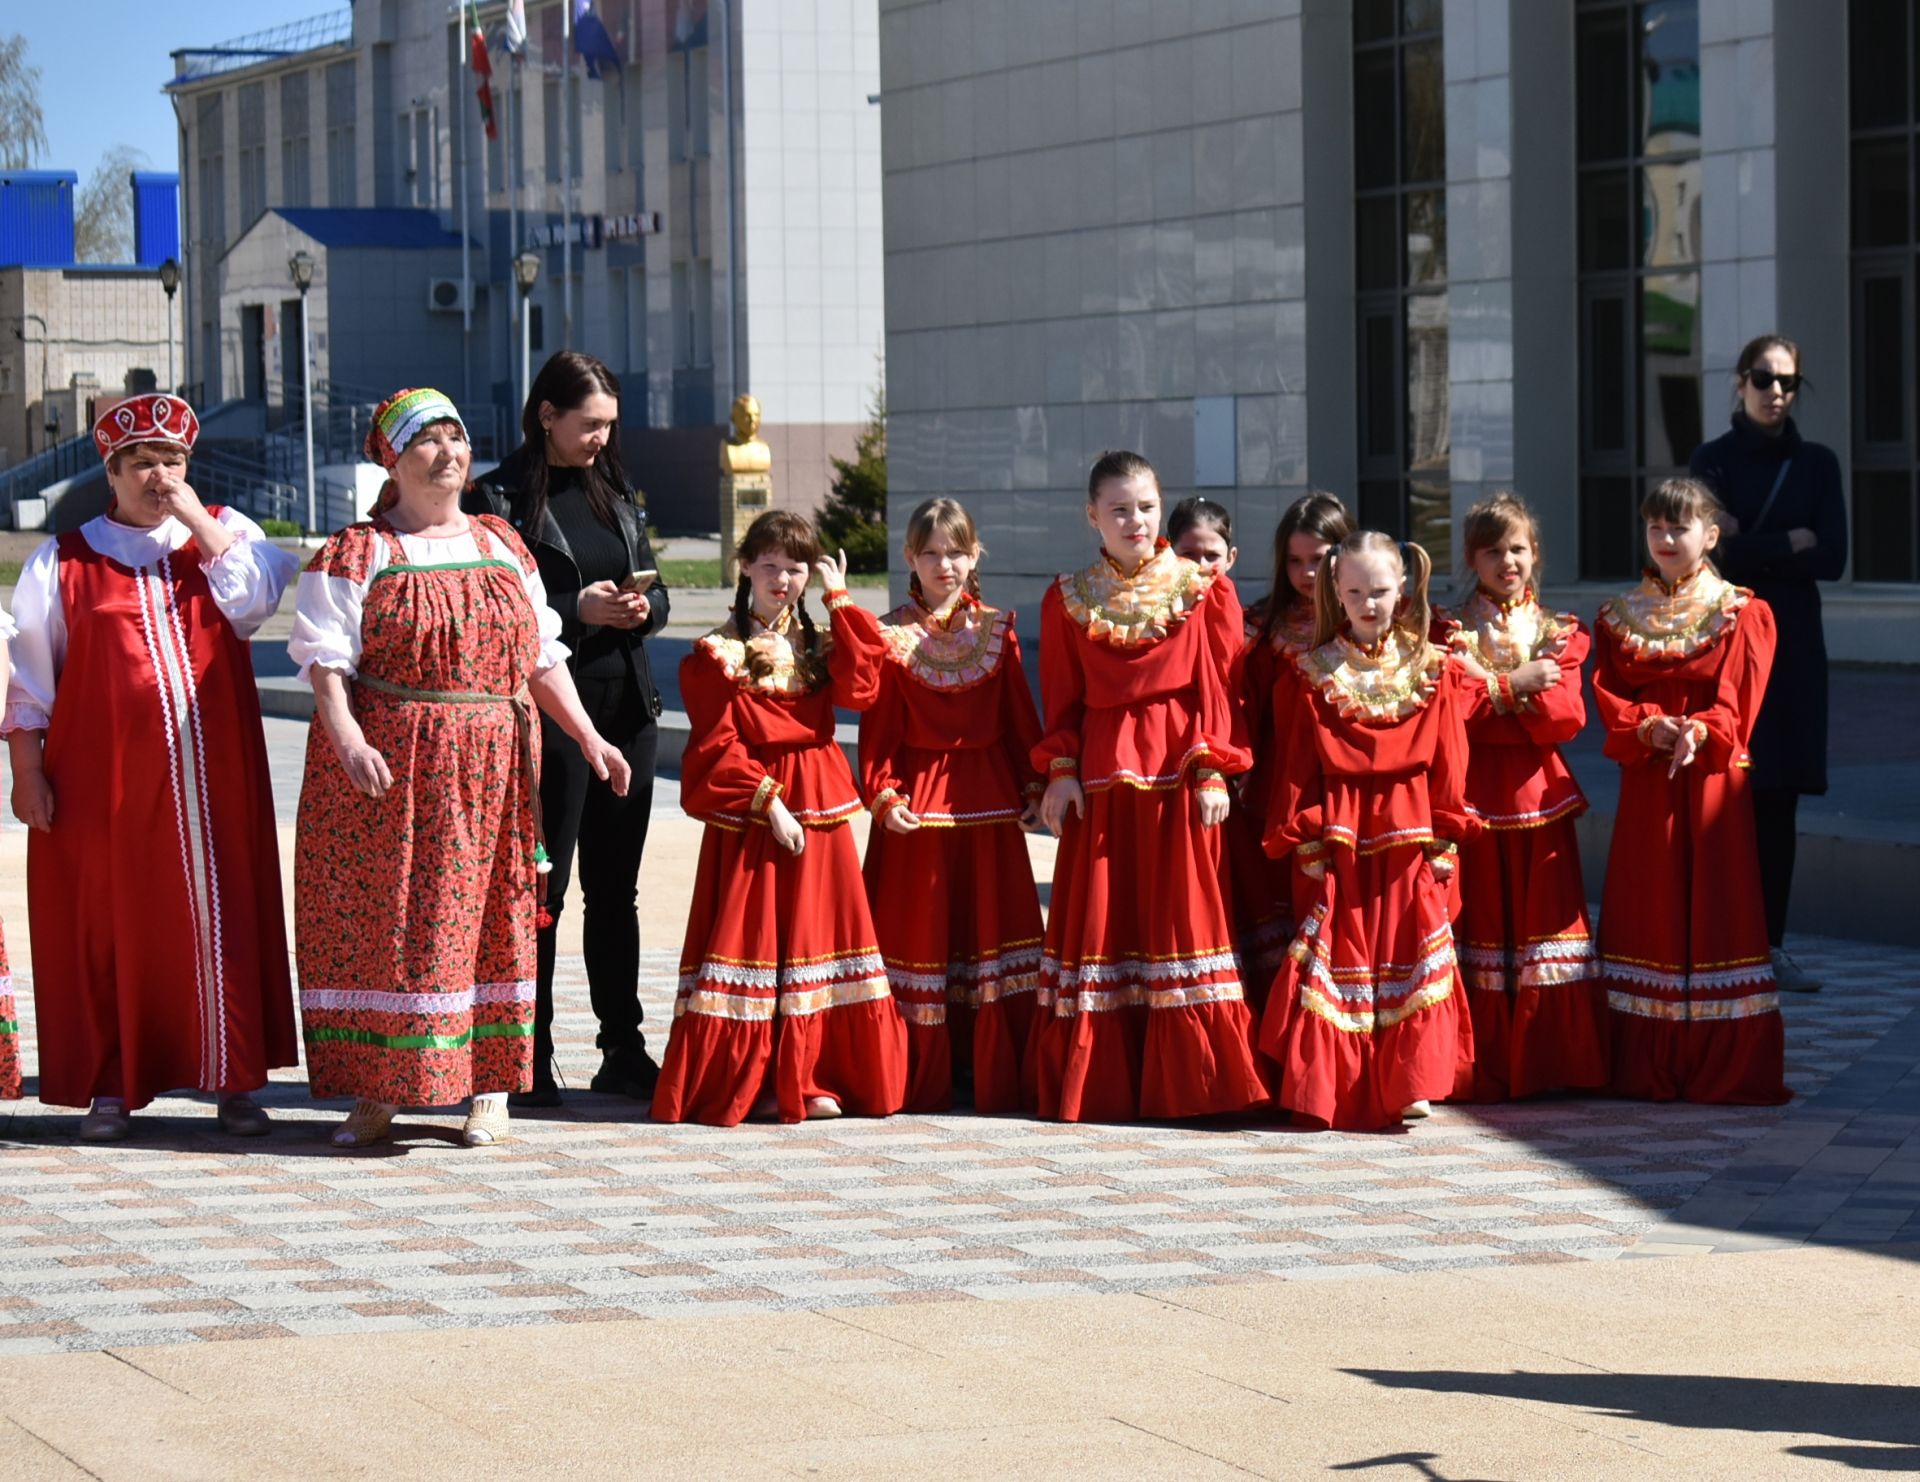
(133, 725)
(427, 638)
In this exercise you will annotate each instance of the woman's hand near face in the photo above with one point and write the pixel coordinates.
(603, 605)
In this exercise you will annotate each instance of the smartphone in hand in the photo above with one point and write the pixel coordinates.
(639, 582)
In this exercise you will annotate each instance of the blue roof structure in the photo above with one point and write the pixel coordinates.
(369, 226)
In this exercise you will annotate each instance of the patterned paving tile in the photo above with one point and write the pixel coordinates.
(593, 1213)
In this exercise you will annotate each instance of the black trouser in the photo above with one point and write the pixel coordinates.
(581, 814)
(1776, 831)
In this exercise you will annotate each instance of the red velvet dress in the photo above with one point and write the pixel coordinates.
(1526, 951)
(159, 943)
(1365, 1017)
(1264, 890)
(1683, 940)
(1141, 1007)
(782, 987)
(954, 902)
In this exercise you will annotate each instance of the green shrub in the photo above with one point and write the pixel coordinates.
(280, 529)
(854, 518)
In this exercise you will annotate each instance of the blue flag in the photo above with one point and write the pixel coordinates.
(591, 40)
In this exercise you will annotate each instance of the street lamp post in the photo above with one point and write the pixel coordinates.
(526, 272)
(170, 280)
(300, 269)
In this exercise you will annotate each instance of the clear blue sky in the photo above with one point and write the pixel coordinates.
(103, 62)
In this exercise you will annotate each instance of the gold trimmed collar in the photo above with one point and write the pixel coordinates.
(771, 646)
(1137, 610)
(955, 652)
(1500, 636)
(1674, 622)
(1376, 687)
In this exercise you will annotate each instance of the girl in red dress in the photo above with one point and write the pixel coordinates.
(1683, 936)
(1270, 895)
(1539, 1012)
(1141, 1007)
(945, 769)
(783, 1008)
(1365, 1019)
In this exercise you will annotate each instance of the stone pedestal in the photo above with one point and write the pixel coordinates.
(744, 497)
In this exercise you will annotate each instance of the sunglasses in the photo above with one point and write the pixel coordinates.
(1762, 380)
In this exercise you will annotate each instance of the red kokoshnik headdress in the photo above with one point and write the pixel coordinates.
(153, 417)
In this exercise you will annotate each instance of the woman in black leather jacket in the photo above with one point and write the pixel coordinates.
(566, 493)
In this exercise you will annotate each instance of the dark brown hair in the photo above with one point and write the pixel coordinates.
(1680, 501)
(946, 517)
(793, 535)
(1198, 511)
(565, 382)
(1118, 463)
(1414, 613)
(1318, 514)
(1759, 345)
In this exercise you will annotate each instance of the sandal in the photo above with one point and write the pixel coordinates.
(366, 1124)
(488, 1122)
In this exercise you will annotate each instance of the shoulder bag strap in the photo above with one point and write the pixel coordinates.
(1772, 494)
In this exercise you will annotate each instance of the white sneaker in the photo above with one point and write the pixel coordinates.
(1419, 1111)
(1789, 976)
(822, 1108)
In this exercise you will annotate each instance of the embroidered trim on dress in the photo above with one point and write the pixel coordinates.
(730, 651)
(1501, 636)
(1655, 621)
(1138, 610)
(957, 653)
(1373, 688)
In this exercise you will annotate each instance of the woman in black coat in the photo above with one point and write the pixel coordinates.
(566, 493)
(1786, 531)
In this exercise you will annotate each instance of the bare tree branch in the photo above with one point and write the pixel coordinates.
(23, 131)
(103, 211)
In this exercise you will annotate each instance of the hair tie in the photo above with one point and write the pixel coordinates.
(1406, 555)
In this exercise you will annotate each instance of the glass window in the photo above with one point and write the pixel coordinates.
(1637, 119)
(1883, 112)
(1400, 219)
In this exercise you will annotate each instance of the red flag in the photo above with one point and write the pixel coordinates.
(483, 69)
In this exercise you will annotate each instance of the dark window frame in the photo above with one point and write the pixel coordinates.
(1884, 247)
(1392, 493)
(1615, 269)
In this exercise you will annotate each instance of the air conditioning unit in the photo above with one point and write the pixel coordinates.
(446, 296)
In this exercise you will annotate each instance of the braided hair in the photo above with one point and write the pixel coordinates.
(947, 517)
(793, 535)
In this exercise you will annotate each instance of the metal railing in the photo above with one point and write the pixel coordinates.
(194, 63)
(49, 466)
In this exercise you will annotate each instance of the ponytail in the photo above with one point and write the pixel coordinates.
(1413, 613)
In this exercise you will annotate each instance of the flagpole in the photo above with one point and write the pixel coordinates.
(466, 238)
(566, 174)
(511, 175)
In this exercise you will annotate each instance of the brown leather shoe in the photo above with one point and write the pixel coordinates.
(242, 1116)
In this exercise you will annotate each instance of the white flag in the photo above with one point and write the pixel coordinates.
(517, 26)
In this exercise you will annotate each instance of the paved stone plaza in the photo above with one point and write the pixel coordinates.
(593, 1213)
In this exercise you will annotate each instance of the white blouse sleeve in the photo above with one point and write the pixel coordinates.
(552, 650)
(326, 623)
(38, 647)
(250, 576)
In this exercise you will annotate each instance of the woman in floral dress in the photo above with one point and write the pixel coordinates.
(427, 638)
